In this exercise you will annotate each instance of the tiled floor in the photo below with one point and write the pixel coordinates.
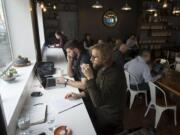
(134, 118)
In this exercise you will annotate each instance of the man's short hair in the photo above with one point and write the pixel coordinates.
(58, 32)
(71, 44)
(145, 51)
(105, 49)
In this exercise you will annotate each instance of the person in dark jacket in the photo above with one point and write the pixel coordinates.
(107, 90)
(87, 41)
(119, 55)
(61, 41)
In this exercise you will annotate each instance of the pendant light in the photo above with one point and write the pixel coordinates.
(126, 7)
(176, 8)
(152, 7)
(176, 11)
(44, 9)
(165, 4)
(54, 7)
(42, 5)
(97, 5)
(155, 14)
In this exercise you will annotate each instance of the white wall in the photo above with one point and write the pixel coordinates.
(20, 27)
(40, 25)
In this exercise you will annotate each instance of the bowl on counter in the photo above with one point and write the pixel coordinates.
(62, 130)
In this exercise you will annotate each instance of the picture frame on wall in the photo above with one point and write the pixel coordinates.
(110, 19)
(3, 124)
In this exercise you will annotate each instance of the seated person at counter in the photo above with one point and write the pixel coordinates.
(76, 56)
(107, 90)
(87, 41)
(62, 39)
(118, 55)
(141, 70)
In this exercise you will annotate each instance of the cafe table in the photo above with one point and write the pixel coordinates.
(170, 82)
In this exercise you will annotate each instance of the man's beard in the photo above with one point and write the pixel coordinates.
(97, 67)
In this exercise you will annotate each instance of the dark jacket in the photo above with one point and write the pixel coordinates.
(108, 94)
(76, 66)
(118, 58)
(88, 43)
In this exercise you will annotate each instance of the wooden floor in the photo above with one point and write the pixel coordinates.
(134, 118)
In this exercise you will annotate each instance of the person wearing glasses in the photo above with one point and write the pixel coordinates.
(76, 56)
(107, 90)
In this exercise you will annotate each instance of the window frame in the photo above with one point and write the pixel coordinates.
(9, 37)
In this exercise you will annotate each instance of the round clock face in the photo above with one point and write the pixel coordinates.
(110, 19)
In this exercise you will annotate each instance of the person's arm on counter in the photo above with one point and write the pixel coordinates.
(97, 96)
(148, 77)
(69, 66)
(75, 96)
(77, 84)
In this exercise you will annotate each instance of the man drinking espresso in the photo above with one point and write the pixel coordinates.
(107, 90)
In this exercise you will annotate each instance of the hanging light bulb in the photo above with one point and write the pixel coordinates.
(176, 8)
(42, 5)
(165, 4)
(97, 5)
(151, 7)
(126, 7)
(176, 11)
(155, 14)
(173, 12)
(44, 9)
(158, 0)
(54, 7)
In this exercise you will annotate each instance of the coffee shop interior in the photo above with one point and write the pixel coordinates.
(90, 67)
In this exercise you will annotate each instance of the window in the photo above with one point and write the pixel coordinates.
(5, 47)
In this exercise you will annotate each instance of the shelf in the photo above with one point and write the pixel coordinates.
(152, 23)
(162, 36)
(162, 28)
(152, 29)
(165, 44)
(152, 43)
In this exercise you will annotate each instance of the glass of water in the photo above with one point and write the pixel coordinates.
(24, 122)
